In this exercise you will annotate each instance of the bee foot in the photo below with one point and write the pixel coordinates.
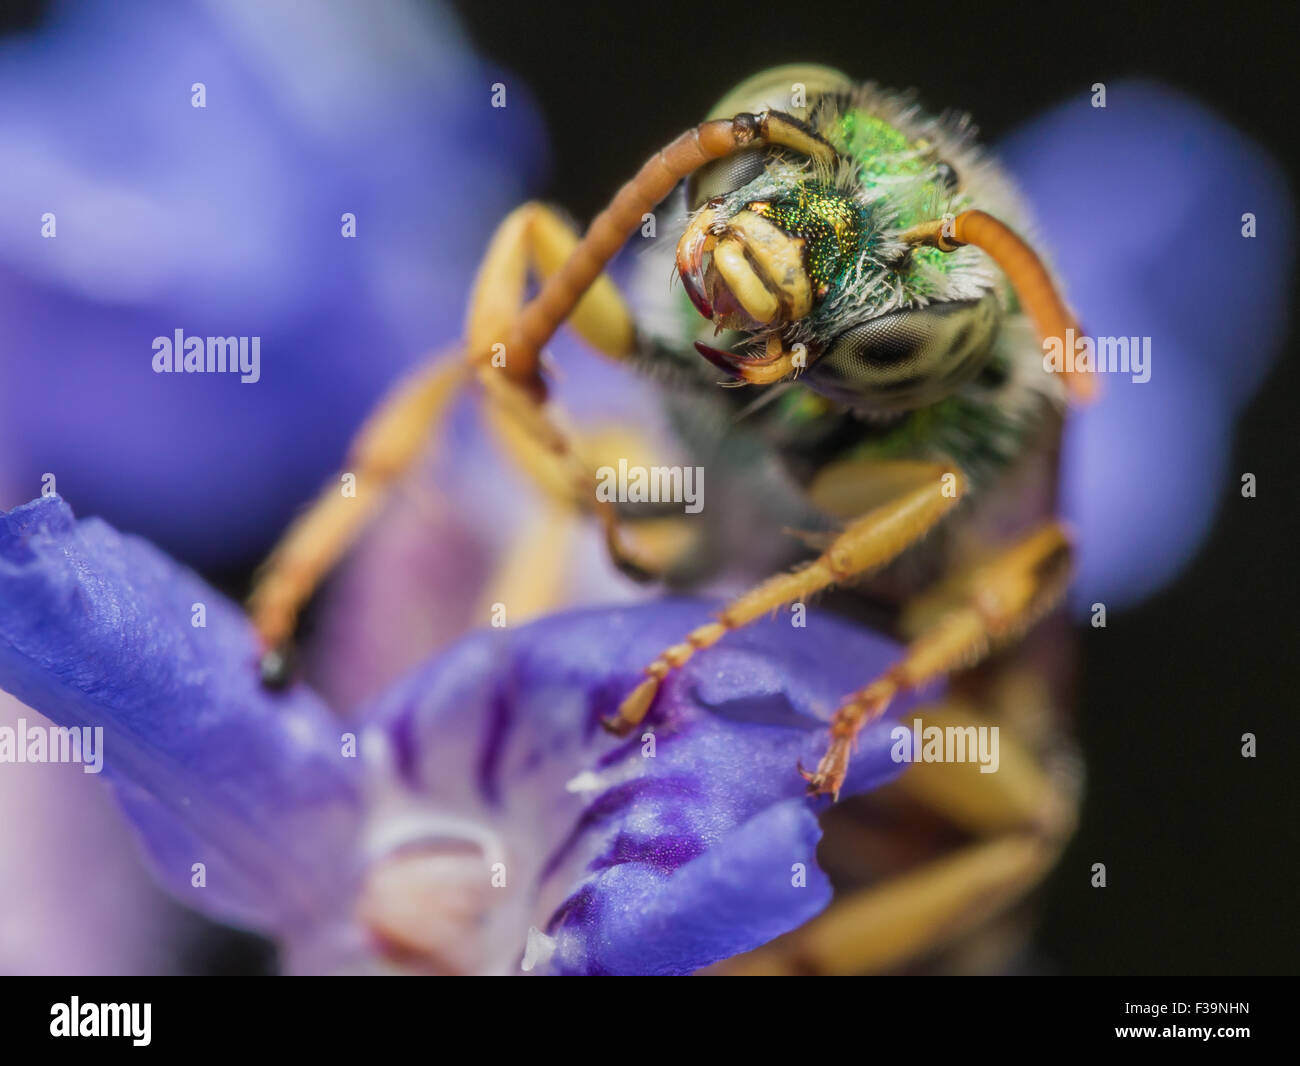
(828, 778)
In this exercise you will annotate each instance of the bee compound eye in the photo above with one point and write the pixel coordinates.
(726, 175)
(907, 358)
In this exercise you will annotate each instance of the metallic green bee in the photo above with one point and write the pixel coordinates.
(852, 269)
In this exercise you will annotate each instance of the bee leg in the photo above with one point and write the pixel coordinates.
(868, 542)
(389, 442)
(1020, 818)
(535, 237)
(502, 325)
(532, 573)
(532, 576)
(528, 433)
(993, 602)
(394, 436)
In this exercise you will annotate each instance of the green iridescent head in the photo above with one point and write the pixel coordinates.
(803, 252)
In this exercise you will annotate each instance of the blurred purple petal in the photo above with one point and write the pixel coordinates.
(59, 825)
(96, 630)
(1142, 476)
(1141, 203)
(225, 221)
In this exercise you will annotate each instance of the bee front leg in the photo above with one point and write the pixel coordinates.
(533, 238)
(990, 604)
(536, 238)
(391, 440)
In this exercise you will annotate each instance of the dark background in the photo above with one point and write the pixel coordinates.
(1199, 843)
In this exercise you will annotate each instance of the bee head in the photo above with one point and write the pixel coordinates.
(851, 253)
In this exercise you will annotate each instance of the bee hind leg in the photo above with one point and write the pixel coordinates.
(987, 605)
(1014, 824)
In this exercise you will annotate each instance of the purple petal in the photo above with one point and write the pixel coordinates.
(759, 881)
(502, 732)
(1141, 203)
(96, 629)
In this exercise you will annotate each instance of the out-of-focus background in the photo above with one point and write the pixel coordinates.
(611, 83)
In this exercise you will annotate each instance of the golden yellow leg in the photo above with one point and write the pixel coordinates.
(389, 442)
(393, 438)
(990, 603)
(534, 237)
(1020, 817)
(867, 543)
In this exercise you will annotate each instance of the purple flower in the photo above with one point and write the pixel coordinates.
(476, 817)
(226, 220)
(472, 817)
(103, 630)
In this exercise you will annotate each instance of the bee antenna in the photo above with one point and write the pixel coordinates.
(1034, 286)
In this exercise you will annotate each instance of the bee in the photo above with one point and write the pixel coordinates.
(857, 343)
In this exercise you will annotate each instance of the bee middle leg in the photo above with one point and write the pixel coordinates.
(985, 606)
(865, 544)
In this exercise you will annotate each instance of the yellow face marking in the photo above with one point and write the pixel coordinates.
(780, 259)
(745, 285)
